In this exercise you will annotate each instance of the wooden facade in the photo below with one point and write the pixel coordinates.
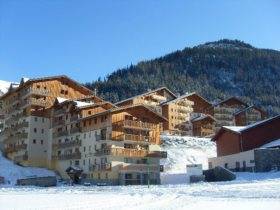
(203, 126)
(232, 140)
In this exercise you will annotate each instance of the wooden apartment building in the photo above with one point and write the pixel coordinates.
(26, 109)
(234, 112)
(55, 122)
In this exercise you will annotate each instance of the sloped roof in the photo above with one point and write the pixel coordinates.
(120, 109)
(231, 99)
(240, 129)
(147, 93)
(29, 81)
(202, 117)
(186, 96)
(275, 143)
(247, 108)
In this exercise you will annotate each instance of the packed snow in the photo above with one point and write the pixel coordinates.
(249, 191)
(12, 172)
(254, 191)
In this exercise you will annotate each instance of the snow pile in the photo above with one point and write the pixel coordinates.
(182, 151)
(11, 172)
(4, 86)
(186, 150)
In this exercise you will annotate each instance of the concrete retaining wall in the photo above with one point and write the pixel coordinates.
(48, 181)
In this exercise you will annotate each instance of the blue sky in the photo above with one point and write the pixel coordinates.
(85, 39)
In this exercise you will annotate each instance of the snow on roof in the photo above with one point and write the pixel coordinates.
(235, 128)
(274, 143)
(25, 79)
(61, 100)
(82, 103)
(240, 129)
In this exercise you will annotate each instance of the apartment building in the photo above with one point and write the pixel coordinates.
(151, 98)
(26, 108)
(112, 145)
(175, 109)
(224, 111)
(234, 112)
(203, 125)
(178, 112)
(249, 115)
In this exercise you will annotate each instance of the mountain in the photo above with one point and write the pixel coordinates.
(215, 70)
(4, 86)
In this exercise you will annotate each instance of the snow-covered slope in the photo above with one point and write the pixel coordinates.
(186, 150)
(4, 86)
(182, 151)
(11, 172)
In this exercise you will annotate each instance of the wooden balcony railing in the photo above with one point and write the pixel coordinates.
(16, 137)
(21, 125)
(157, 154)
(15, 148)
(140, 167)
(59, 112)
(101, 167)
(60, 133)
(132, 137)
(21, 158)
(61, 145)
(122, 152)
(75, 130)
(75, 155)
(34, 91)
(137, 124)
(59, 122)
(34, 102)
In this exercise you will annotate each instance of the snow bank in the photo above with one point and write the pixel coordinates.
(183, 150)
(11, 172)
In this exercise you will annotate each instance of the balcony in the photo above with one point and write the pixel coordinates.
(58, 123)
(157, 154)
(21, 158)
(75, 130)
(132, 137)
(101, 167)
(74, 118)
(140, 167)
(34, 91)
(61, 145)
(75, 155)
(16, 137)
(59, 112)
(15, 148)
(60, 133)
(34, 102)
(21, 125)
(122, 152)
(14, 118)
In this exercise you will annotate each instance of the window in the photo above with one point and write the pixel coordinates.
(85, 123)
(42, 142)
(226, 165)
(77, 163)
(84, 149)
(42, 131)
(38, 86)
(35, 130)
(210, 165)
(66, 92)
(84, 162)
(85, 135)
(58, 152)
(43, 120)
(36, 119)
(237, 166)
(106, 175)
(62, 91)
(34, 141)
(70, 162)
(95, 120)
(98, 175)
(89, 112)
